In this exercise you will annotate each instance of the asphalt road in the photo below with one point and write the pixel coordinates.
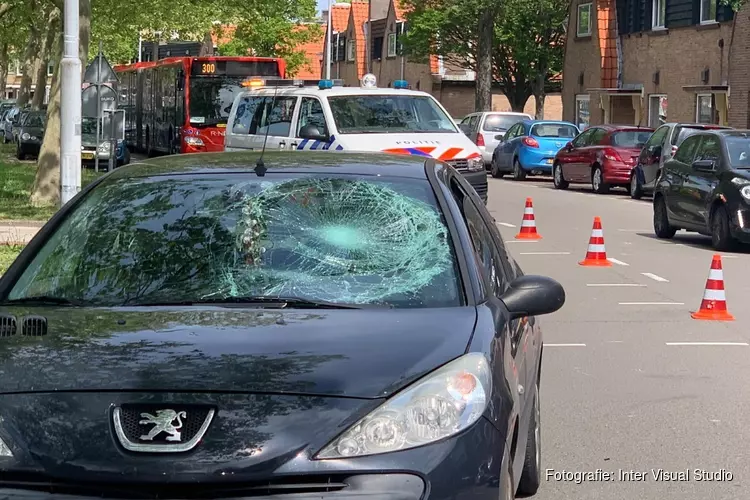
(630, 381)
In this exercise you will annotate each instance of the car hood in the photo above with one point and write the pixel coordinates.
(365, 353)
(735, 172)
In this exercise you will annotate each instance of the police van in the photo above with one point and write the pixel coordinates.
(287, 115)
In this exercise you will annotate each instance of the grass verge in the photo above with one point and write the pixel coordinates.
(8, 254)
(16, 182)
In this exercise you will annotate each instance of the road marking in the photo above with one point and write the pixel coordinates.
(506, 224)
(564, 345)
(614, 284)
(522, 241)
(651, 303)
(709, 343)
(614, 341)
(615, 261)
(655, 277)
(634, 230)
(728, 256)
(544, 253)
(679, 244)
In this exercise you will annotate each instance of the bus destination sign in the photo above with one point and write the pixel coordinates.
(218, 67)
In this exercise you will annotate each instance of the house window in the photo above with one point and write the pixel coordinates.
(392, 45)
(377, 48)
(582, 111)
(657, 110)
(19, 71)
(659, 14)
(50, 69)
(708, 11)
(584, 20)
(350, 50)
(705, 111)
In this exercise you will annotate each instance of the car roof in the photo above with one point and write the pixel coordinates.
(613, 128)
(547, 122)
(382, 164)
(333, 92)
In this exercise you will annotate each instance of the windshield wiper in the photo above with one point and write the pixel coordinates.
(44, 300)
(279, 302)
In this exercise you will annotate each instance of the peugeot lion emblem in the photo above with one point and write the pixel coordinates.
(150, 429)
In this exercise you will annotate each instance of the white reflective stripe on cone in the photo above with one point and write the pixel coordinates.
(596, 248)
(714, 295)
(528, 223)
(528, 211)
(716, 274)
(597, 233)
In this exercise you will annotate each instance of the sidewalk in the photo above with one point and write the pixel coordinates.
(18, 232)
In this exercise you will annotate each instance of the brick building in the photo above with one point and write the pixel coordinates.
(13, 82)
(647, 62)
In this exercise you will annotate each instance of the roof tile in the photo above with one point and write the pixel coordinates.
(315, 54)
(360, 12)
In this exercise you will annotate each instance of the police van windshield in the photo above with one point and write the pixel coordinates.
(389, 114)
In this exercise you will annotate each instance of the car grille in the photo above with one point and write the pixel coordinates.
(460, 165)
(131, 416)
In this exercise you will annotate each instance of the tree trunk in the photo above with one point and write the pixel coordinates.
(4, 62)
(46, 190)
(40, 82)
(539, 95)
(28, 66)
(483, 95)
(518, 95)
(207, 47)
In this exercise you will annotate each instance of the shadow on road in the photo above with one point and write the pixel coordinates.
(695, 241)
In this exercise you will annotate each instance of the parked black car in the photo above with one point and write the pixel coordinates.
(31, 134)
(338, 325)
(705, 188)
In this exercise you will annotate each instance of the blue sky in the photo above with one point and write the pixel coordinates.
(322, 4)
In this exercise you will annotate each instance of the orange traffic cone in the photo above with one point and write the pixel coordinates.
(714, 303)
(596, 255)
(528, 225)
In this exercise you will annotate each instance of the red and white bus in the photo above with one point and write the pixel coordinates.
(181, 104)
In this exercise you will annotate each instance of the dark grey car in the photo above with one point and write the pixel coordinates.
(30, 134)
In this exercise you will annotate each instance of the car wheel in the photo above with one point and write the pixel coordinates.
(721, 237)
(636, 190)
(519, 173)
(531, 476)
(662, 228)
(557, 177)
(495, 171)
(597, 181)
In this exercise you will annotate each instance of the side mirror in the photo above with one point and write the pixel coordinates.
(313, 133)
(500, 137)
(704, 165)
(533, 296)
(568, 146)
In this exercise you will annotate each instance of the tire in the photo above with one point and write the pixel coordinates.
(662, 228)
(597, 181)
(519, 173)
(531, 476)
(557, 177)
(721, 236)
(494, 171)
(636, 190)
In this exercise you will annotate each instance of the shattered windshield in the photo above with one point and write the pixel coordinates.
(343, 239)
(389, 114)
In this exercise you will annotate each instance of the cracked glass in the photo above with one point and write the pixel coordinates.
(344, 239)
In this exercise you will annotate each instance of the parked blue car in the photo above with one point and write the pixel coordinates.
(529, 147)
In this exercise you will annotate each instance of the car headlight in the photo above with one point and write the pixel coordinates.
(193, 141)
(745, 192)
(25, 136)
(440, 405)
(475, 164)
(105, 147)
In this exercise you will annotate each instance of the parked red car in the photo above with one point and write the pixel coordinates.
(603, 155)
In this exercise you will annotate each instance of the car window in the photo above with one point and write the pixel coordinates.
(685, 132)
(34, 121)
(473, 122)
(388, 114)
(311, 113)
(338, 238)
(487, 255)
(583, 139)
(709, 149)
(248, 115)
(513, 132)
(597, 137)
(630, 138)
(556, 130)
(738, 151)
(500, 123)
(657, 138)
(686, 151)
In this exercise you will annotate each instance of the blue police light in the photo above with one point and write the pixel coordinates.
(400, 84)
(325, 84)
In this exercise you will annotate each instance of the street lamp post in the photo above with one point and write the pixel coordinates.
(70, 106)
(329, 28)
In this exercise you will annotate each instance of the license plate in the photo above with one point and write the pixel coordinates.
(87, 156)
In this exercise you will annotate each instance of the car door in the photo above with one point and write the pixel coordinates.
(675, 174)
(493, 262)
(310, 118)
(699, 186)
(505, 148)
(650, 159)
(274, 129)
(574, 157)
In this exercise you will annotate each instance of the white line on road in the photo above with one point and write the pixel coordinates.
(709, 343)
(728, 256)
(619, 262)
(651, 303)
(506, 224)
(564, 345)
(655, 277)
(614, 284)
(544, 253)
